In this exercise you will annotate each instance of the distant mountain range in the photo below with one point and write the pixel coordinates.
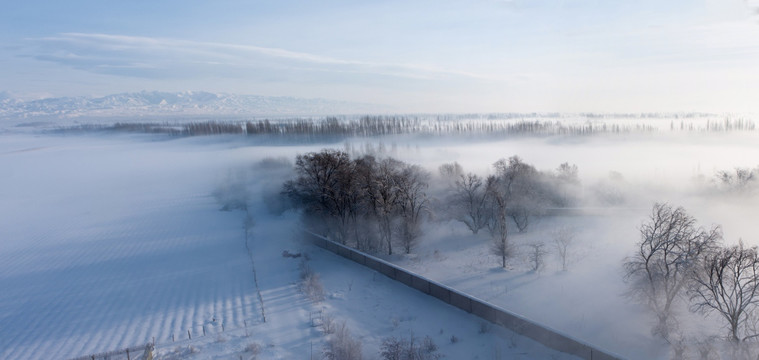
(167, 104)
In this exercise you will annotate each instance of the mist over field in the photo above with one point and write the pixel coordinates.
(112, 240)
(394, 180)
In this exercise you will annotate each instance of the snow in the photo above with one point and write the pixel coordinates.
(181, 104)
(373, 307)
(110, 241)
(587, 301)
(114, 241)
(106, 244)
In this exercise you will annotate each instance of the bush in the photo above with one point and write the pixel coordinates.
(393, 348)
(328, 324)
(310, 284)
(254, 349)
(342, 346)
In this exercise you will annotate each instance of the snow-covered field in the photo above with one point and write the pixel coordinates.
(586, 301)
(111, 241)
(372, 306)
(108, 243)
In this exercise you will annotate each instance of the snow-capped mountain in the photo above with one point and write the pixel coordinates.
(188, 103)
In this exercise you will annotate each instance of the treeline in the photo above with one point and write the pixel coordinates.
(387, 125)
(724, 125)
(439, 125)
(377, 204)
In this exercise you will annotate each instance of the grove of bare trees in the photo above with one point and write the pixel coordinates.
(379, 204)
(727, 283)
(671, 247)
(740, 181)
(678, 262)
(349, 199)
(514, 196)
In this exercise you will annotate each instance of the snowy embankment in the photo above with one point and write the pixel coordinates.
(116, 241)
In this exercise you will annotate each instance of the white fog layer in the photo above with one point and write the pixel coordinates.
(114, 240)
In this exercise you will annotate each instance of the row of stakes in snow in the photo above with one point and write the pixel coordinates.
(133, 351)
(203, 328)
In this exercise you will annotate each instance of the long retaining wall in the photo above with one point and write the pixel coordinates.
(520, 325)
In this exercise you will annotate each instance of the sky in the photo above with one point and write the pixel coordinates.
(412, 56)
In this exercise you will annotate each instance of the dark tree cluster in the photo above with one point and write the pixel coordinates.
(213, 128)
(372, 204)
(363, 126)
(378, 204)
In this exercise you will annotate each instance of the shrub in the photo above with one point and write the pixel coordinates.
(393, 348)
(342, 346)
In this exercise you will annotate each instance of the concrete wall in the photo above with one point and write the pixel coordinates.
(542, 334)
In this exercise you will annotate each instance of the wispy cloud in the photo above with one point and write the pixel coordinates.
(108, 52)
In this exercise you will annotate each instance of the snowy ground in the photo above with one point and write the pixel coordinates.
(373, 307)
(586, 301)
(589, 300)
(109, 242)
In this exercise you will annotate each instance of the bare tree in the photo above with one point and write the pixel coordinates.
(325, 187)
(521, 189)
(365, 173)
(498, 222)
(469, 201)
(671, 246)
(411, 183)
(727, 283)
(567, 173)
(566, 184)
(385, 197)
(502, 248)
(741, 180)
(563, 242)
(450, 172)
(342, 346)
(536, 255)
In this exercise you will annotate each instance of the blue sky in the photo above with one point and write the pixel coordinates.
(431, 56)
